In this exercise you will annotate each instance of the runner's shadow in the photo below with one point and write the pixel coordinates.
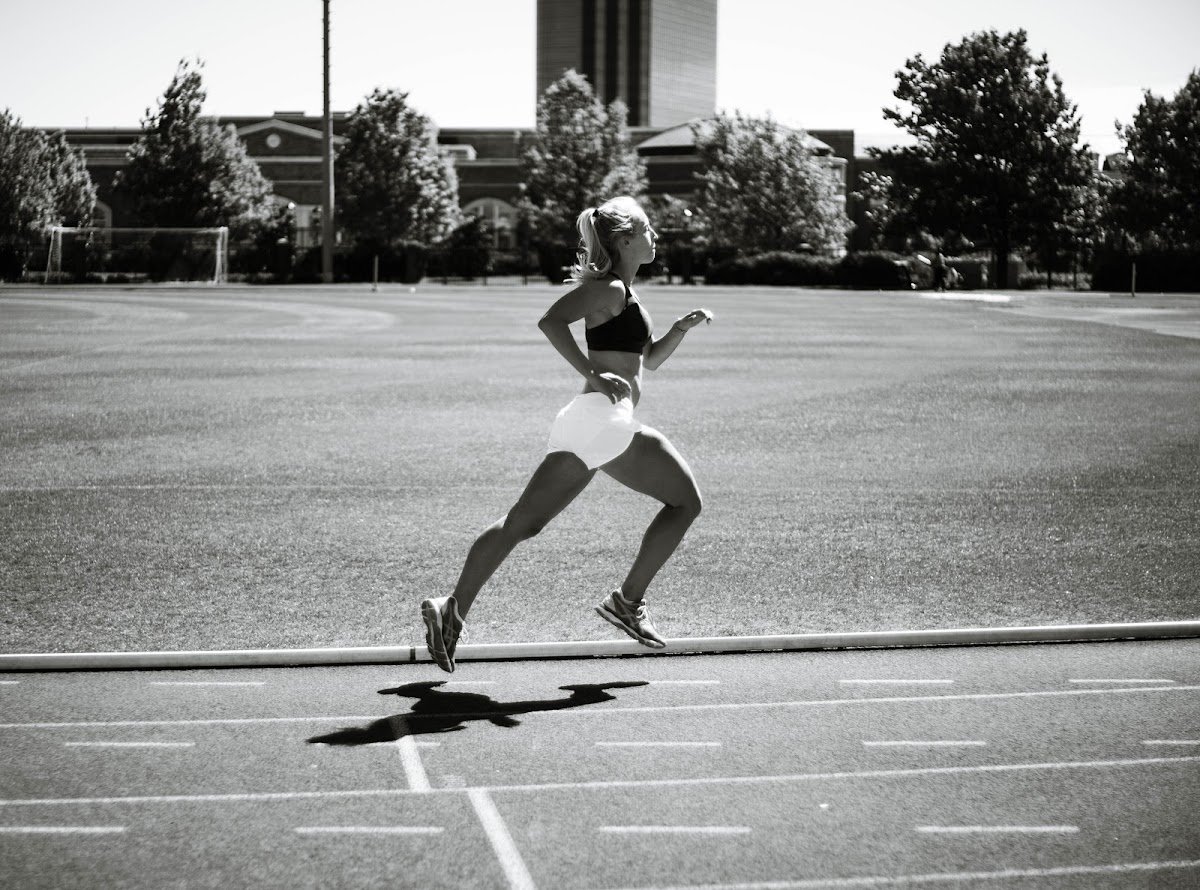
(437, 711)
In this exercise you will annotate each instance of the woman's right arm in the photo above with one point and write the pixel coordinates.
(576, 304)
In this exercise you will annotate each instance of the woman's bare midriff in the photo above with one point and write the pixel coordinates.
(624, 364)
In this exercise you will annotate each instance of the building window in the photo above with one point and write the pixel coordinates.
(502, 217)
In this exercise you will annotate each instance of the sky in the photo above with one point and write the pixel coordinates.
(471, 63)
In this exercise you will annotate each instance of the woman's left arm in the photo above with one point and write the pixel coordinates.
(658, 351)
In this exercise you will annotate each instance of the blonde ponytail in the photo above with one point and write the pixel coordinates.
(598, 230)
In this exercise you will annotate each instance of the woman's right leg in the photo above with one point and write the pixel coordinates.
(556, 482)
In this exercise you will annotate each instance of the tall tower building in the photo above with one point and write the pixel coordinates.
(658, 56)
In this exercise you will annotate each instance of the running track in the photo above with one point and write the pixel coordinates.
(1064, 766)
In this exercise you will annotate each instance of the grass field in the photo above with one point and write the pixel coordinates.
(236, 467)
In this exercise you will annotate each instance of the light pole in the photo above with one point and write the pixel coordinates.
(326, 166)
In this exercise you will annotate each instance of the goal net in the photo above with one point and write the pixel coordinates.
(83, 254)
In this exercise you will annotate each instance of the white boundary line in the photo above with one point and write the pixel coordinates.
(369, 829)
(501, 841)
(979, 636)
(62, 829)
(959, 878)
(266, 796)
(646, 709)
(997, 829)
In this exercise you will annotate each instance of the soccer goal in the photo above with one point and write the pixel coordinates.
(98, 254)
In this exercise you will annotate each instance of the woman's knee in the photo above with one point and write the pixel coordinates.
(692, 503)
(522, 526)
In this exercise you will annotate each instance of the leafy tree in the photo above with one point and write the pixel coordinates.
(187, 171)
(43, 182)
(1158, 202)
(579, 155)
(762, 188)
(392, 185)
(882, 209)
(997, 155)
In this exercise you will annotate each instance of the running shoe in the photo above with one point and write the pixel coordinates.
(442, 629)
(631, 618)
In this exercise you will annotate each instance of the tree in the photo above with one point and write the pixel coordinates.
(882, 210)
(186, 171)
(43, 182)
(579, 156)
(762, 188)
(997, 154)
(1158, 201)
(392, 185)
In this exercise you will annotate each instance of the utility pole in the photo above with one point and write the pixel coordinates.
(327, 228)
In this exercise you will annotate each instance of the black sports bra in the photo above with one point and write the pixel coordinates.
(627, 331)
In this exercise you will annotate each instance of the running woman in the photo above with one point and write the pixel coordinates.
(596, 431)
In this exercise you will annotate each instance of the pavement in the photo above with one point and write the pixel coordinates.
(1048, 765)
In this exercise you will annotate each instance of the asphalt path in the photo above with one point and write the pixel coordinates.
(1065, 766)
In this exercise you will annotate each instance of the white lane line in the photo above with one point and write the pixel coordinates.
(896, 682)
(658, 744)
(370, 829)
(594, 712)
(960, 878)
(685, 682)
(1181, 742)
(9, 682)
(998, 829)
(129, 744)
(468, 682)
(414, 770)
(615, 783)
(501, 841)
(207, 683)
(62, 829)
(1159, 682)
(674, 829)
(914, 743)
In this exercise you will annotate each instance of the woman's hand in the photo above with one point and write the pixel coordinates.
(692, 319)
(612, 385)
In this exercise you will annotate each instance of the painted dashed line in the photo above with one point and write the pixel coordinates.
(658, 744)
(685, 682)
(9, 682)
(369, 829)
(62, 829)
(1118, 680)
(675, 829)
(129, 744)
(1180, 742)
(998, 829)
(207, 683)
(914, 743)
(897, 682)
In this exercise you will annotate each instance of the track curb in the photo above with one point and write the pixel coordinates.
(235, 658)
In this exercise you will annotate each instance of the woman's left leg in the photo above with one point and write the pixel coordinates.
(652, 466)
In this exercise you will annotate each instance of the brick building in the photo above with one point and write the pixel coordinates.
(658, 56)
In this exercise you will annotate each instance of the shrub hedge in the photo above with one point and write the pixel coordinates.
(1162, 271)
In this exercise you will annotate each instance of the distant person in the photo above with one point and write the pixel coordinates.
(939, 272)
(596, 430)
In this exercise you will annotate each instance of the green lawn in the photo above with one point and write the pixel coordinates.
(281, 467)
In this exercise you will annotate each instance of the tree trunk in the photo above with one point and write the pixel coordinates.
(1002, 251)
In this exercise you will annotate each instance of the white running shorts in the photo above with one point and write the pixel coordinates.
(594, 429)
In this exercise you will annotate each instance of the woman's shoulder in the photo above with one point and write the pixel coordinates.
(605, 291)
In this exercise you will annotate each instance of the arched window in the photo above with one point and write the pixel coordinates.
(501, 215)
(101, 215)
